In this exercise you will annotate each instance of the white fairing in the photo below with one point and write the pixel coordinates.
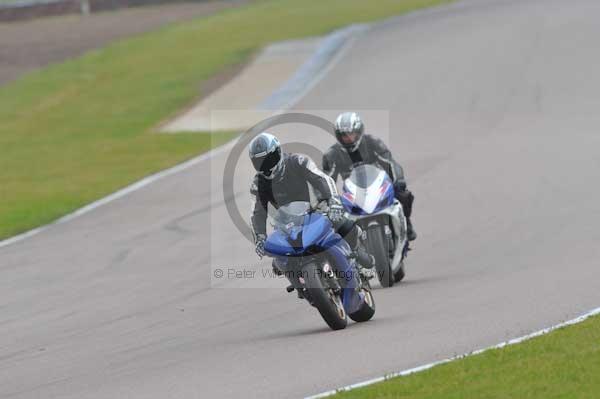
(367, 198)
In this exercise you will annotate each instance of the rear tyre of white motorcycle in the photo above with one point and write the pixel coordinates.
(327, 303)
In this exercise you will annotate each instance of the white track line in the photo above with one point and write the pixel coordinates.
(334, 58)
(327, 54)
(424, 367)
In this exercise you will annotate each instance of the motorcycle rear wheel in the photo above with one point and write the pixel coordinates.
(367, 310)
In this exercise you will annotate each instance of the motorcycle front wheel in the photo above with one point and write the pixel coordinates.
(328, 303)
(377, 246)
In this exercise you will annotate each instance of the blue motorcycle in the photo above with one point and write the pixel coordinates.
(319, 265)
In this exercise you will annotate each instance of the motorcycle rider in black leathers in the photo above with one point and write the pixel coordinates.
(355, 147)
(284, 178)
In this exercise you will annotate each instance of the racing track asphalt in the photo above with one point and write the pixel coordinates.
(494, 112)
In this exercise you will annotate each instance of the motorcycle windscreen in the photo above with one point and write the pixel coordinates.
(290, 216)
(288, 222)
(367, 185)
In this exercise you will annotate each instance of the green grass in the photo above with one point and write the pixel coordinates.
(79, 130)
(563, 364)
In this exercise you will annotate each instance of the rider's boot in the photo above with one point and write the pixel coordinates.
(406, 199)
(368, 274)
(365, 259)
(410, 230)
(354, 236)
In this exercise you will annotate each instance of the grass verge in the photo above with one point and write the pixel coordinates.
(563, 364)
(79, 130)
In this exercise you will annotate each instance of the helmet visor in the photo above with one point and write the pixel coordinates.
(267, 163)
(348, 138)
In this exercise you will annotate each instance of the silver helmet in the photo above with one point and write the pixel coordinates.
(349, 130)
(265, 154)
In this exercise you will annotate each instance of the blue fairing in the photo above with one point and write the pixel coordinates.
(277, 244)
(316, 229)
(317, 232)
(350, 206)
(386, 200)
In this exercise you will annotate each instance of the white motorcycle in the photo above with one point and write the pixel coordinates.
(368, 196)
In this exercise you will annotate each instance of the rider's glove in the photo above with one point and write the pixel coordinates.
(260, 245)
(323, 207)
(336, 210)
